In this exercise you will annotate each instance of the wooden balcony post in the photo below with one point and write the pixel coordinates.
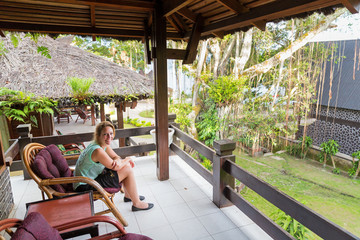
(25, 137)
(224, 149)
(120, 120)
(102, 112)
(158, 42)
(171, 119)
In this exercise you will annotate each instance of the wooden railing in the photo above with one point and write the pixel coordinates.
(223, 180)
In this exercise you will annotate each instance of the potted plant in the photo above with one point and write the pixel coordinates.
(22, 107)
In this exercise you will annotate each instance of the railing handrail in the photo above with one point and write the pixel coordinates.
(312, 220)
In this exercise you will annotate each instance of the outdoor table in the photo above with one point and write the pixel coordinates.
(69, 208)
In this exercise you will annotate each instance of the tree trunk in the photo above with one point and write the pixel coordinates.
(195, 95)
(226, 56)
(245, 50)
(237, 55)
(357, 170)
(215, 50)
(333, 162)
(324, 159)
(296, 45)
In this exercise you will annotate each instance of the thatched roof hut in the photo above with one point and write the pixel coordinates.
(23, 69)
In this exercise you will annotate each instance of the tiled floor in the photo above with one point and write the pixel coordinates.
(183, 207)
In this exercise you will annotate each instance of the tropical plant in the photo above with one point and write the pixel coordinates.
(182, 110)
(290, 225)
(330, 148)
(354, 170)
(20, 106)
(80, 87)
(208, 123)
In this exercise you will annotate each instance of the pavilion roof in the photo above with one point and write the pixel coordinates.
(23, 69)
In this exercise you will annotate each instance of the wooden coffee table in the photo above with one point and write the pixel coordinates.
(63, 210)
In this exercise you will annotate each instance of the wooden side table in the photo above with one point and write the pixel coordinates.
(69, 208)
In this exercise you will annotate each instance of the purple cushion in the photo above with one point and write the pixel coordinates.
(35, 227)
(134, 236)
(50, 163)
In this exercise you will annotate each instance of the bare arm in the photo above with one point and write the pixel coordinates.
(110, 159)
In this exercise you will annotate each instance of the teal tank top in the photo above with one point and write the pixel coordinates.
(85, 166)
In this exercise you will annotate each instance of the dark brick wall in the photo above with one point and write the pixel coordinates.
(6, 196)
(342, 125)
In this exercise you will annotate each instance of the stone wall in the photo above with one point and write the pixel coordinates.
(6, 196)
(342, 125)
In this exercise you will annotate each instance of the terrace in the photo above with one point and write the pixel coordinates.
(191, 21)
(193, 203)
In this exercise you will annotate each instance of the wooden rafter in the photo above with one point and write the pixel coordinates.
(180, 21)
(261, 24)
(234, 6)
(146, 43)
(2, 34)
(174, 5)
(137, 5)
(273, 10)
(352, 5)
(173, 23)
(186, 13)
(20, 27)
(219, 34)
(191, 49)
(92, 17)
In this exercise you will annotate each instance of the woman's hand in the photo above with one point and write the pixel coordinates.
(120, 163)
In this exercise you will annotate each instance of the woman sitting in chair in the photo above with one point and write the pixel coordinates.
(99, 161)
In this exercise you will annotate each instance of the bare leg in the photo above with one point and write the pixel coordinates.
(126, 175)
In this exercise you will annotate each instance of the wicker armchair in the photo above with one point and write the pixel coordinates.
(55, 178)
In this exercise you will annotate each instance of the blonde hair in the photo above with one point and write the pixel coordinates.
(99, 128)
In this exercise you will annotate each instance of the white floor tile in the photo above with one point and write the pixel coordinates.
(233, 234)
(178, 213)
(169, 199)
(254, 232)
(192, 194)
(217, 222)
(151, 219)
(190, 230)
(161, 233)
(203, 207)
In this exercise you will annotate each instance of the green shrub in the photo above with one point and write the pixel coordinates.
(289, 224)
(330, 148)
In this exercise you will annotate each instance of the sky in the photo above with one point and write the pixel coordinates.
(347, 27)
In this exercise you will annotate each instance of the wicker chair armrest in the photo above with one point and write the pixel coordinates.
(65, 180)
(93, 219)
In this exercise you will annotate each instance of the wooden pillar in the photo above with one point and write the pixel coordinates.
(25, 137)
(120, 120)
(2, 156)
(93, 115)
(223, 149)
(102, 112)
(161, 104)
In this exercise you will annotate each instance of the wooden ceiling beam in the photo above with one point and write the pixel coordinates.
(234, 6)
(261, 24)
(191, 49)
(352, 5)
(186, 13)
(180, 21)
(174, 5)
(92, 19)
(136, 5)
(88, 31)
(268, 12)
(173, 23)
(146, 43)
(219, 34)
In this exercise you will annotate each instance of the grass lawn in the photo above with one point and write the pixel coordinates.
(147, 113)
(336, 197)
